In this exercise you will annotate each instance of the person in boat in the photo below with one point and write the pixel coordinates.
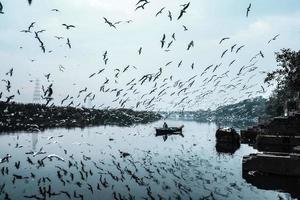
(165, 125)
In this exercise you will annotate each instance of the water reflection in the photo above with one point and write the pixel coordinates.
(34, 139)
(110, 162)
(227, 147)
(274, 182)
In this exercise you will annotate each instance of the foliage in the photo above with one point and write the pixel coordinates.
(247, 110)
(287, 78)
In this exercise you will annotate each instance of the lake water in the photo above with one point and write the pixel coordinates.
(92, 166)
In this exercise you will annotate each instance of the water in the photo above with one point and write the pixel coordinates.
(183, 167)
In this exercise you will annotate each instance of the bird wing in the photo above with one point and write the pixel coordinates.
(180, 15)
(1, 7)
(224, 53)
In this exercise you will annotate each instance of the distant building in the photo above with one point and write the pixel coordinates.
(37, 92)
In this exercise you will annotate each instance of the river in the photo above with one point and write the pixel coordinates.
(93, 164)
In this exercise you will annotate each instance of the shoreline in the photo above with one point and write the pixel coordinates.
(16, 117)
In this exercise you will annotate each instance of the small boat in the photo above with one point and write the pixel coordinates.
(286, 164)
(169, 131)
(227, 135)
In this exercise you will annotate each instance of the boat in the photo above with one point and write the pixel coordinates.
(287, 164)
(227, 135)
(169, 131)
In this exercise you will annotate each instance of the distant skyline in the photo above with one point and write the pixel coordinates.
(187, 87)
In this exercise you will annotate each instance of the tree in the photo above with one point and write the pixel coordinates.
(287, 78)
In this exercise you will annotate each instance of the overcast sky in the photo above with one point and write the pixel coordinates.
(207, 23)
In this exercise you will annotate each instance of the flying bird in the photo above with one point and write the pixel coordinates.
(68, 43)
(261, 54)
(224, 53)
(61, 68)
(184, 28)
(109, 23)
(173, 36)
(55, 10)
(29, 2)
(141, 5)
(225, 38)
(232, 47)
(31, 26)
(1, 8)
(170, 43)
(274, 38)
(160, 11)
(68, 26)
(239, 48)
(185, 6)
(191, 44)
(9, 98)
(231, 63)
(10, 72)
(163, 41)
(57, 37)
(40, 31)
(47, 76)
(248, 10)
(170, 15)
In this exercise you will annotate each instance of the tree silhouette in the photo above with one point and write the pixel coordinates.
(287, 78)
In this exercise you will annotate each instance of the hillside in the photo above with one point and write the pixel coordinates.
(247, 110)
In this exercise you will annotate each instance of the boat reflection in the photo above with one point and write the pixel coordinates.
(166, 136)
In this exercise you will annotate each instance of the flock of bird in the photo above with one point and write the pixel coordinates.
(62, 175)
(185, 94)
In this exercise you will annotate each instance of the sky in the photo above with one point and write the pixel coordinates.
(176, 88)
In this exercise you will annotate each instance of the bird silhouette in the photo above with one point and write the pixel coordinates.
(68, 43)
(140, 50)
(225, 38)
(248, 10)
(160, 11)
(224, 52)
(238, 49)
(183, 10)
(68, 26)
(40, 31)
(57, 37)
(261, 54)
(10, 72)
(163, 41)
(170, 15)
(274, 38)
(29, 2)
(109, 23)
(173, 36)
(232, 47)
(191, 44)
(1, 8)
(141, 4)
(9, 98)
